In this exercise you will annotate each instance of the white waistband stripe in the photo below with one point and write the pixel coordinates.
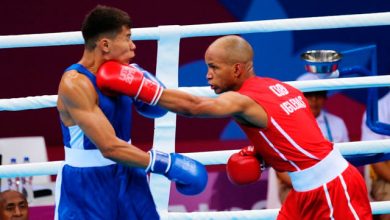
(321, 173)
(85, 158)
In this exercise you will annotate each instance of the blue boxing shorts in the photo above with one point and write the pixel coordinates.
(107, 192)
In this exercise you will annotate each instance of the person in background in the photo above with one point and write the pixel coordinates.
(13, 205)
(379, 172)
(332, 127)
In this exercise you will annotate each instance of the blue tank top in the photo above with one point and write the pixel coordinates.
(117, 109)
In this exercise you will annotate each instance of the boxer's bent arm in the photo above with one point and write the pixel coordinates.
(225, 105)
(80, 100)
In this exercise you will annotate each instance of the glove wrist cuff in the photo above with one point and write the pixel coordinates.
(159, 162)
(147, 169)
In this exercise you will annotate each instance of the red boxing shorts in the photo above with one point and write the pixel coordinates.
(343, 197)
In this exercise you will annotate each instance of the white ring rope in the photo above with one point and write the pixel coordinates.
(27, 103)
(266, 214)
(30, 169)
(206, 158)
(153, 33)
(37, 102)
(223, 215)
(313, 85)
(348, 148)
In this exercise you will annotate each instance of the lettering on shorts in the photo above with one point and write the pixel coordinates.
(293, 105)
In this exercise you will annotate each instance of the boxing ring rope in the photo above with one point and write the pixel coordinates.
(167, 71)
(48, 101)
(377, 208)
(202, 30)
(206, 158)
(214, 158)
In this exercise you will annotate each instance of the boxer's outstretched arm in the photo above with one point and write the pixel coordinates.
(225, 105)
(79, 100)
(129, 80)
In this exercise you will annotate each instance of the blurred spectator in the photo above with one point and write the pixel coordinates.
(379, 172)
(13, 205)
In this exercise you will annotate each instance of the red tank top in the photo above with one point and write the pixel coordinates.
(292, 140)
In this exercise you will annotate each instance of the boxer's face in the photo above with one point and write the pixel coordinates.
(13, 206)
(220, 74)
(121, 48)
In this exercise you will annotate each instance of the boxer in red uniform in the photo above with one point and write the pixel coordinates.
(276, 118)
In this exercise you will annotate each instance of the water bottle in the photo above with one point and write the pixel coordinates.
(13, 183)
(26, 186)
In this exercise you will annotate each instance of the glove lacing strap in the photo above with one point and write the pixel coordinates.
(157, 95)
(159, 162)
(140, 88)
(159, 91)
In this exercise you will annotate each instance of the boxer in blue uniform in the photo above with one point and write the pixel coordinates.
(104, 176)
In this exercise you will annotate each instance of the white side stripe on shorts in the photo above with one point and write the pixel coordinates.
(329, 201)
(348, 198)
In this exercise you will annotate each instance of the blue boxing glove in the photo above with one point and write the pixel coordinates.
(149, 111)
(189, 175)
(144, 109)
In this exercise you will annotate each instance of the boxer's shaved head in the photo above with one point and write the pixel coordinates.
(233, 49)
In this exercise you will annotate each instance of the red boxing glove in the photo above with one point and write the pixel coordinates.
(115, 77)
(244, 167)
